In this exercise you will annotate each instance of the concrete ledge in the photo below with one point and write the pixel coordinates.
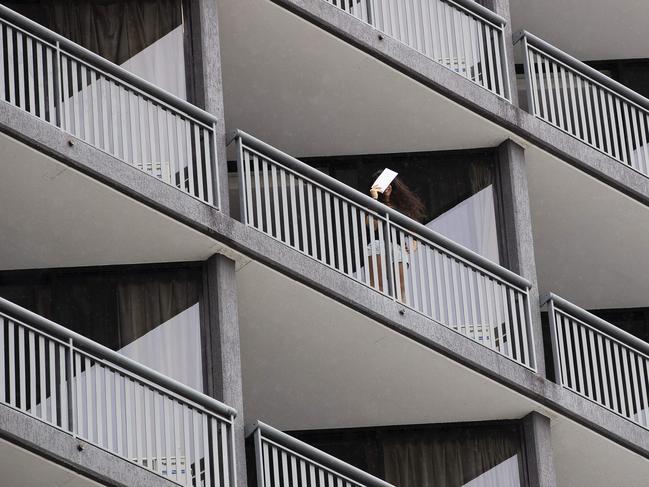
(479, 100)
(62, 448)
(105, 168)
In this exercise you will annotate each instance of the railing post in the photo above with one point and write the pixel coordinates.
(71, 390)
(241, 173)
(505, 64)
(214, 160)
(530, 328)
(389, 257)
(261, 481)
(528, 77)
(554, 341)
(58, 83)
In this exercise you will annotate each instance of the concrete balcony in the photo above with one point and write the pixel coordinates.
(102, 399)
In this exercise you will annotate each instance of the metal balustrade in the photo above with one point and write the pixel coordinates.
(106, 106)
(599, 361)
(284, 461)
(340, 227)
(106, 399)
(586, 104)
(458, 34)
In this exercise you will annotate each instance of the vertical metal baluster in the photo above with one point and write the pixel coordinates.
(627, 384)
(643, 377)
(587, 129)
(320, 214)
(217, 452)
(292, 181)
(589, 111)
(539, 63)
(20, 55)
(372, 231)
(206, 451)
(186, 412)
(313, 238)
(303, 215)
(41, 78)
(197, 451)
(276, 203)
(597, 385)
(637, 152)
(259, 222)
(22, 365)
(637, 405)
(588, 390)
(200, 164)
(78, 423)
(616, 377)
(355, 242)
(31, 349)
(246, 189)
(501, 70)
(329, 236)
(285, 207)
(340, 263)
(384, 250)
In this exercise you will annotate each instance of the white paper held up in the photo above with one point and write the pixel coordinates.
(385, 179)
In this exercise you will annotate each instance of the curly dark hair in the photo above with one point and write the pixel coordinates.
(403, 199)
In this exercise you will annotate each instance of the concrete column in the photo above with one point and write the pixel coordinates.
(501, 7)
(222, 348)
(205, 78)
(516, 221)
(538, 450)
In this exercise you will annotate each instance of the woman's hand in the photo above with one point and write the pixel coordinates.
(374, 192)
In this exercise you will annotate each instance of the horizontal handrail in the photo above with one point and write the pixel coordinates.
(313, 454)
(368, 202)
(582, 67)
(480, 11)
(596, 322)
(111, 68)
(14, 311)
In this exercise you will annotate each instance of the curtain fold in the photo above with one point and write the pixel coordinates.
(450, 459)
(114, 29)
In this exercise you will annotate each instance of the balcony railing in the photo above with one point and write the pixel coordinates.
(375, 245)
(106, 399)
(588, 105)
(104, 105)
(284, 461)
(599, 361)
(458, 34)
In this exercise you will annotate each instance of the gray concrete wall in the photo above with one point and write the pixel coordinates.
(516, 220)
(206, 76)
(537, 432)
(222, 347)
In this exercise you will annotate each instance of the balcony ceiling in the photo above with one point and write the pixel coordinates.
(309, 93)
(54, 216)
(21, 468)
(589, 30)
(318, 364)
(590, 240)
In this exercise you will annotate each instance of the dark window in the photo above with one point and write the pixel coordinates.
(110, 306)
(435, 455)
(458, 188)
